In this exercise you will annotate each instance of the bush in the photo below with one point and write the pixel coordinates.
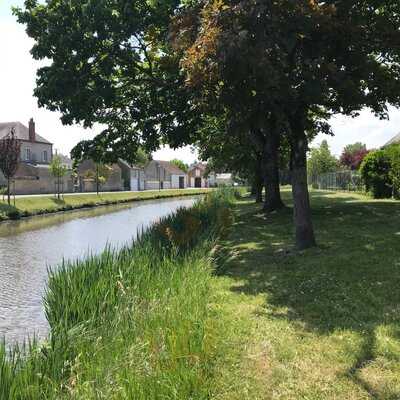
(14, 214)
(394, 155)
(376, 173)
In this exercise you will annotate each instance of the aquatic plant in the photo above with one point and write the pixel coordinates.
(128, 324)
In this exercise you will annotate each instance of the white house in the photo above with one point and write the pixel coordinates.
(196, 174)
(164, 175)
(132, 175)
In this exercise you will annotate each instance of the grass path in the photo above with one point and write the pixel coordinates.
(26, 206)
(319, 324)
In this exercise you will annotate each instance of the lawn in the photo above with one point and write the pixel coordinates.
(318, 324)
(46, 204)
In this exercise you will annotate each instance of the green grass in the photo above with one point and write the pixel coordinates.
(174, 317)
(318, 324)
(133, 324)
(27, 206)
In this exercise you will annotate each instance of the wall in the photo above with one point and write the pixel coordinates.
(37, 150)
(175, 181)
(114, 179)
(43, 183)
(151, 185)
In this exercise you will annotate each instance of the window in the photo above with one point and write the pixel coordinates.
(28, 155)
(45, 156)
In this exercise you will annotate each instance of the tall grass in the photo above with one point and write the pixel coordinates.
(129, 324)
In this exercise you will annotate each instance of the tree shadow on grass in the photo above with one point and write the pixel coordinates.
(350, 282)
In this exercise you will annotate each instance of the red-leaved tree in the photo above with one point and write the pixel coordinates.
(353, 155)
(10, 148)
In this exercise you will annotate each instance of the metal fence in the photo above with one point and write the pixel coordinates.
(339, 181)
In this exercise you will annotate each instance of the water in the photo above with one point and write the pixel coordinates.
(29, 247)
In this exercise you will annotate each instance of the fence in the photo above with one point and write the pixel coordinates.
(339, 181)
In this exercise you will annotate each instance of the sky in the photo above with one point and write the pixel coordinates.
(17, 103)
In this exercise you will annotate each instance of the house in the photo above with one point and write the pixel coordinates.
(65, 161)
(33, 175)
(111, 175)
(197, 175)
(35, 149)
(164, 175)
(220, 179)
(133, 176)
(394, 140)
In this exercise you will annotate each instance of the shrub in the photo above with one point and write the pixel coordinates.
(14, 214)
(375, 171)
(394, 155)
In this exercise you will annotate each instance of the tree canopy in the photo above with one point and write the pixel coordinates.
(153, 71)
(321, 160)
(180, 164)
(353, 155)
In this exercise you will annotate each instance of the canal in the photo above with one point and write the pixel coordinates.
(29, 247)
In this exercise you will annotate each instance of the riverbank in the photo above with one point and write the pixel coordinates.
(39, 205)
(181, 315)
(130, 324)
(319, 324)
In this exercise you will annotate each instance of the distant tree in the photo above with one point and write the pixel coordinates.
(180, 164)
(321, 160)
(10, 148)
(58, 170)
(102, 172)
(142, 157)
(353, 155)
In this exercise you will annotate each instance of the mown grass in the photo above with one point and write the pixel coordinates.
(133, 324)
(34, 205)
(318, 324)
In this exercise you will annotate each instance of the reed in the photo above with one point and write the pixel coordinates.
(128, 324)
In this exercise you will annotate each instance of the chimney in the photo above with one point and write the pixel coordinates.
(32, 133)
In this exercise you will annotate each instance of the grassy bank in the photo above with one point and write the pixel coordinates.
(319, 324)
(133, 324)
(36, 205)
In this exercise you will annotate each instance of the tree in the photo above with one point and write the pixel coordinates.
(353, 155)
(394, 173)
(219, 144)
(321, 161)
(281, 62)
(58, 170)
(180, 164)
(142, 157)
(113, 66)
(102, 173)
(298, 70)
(10, 149)
(375, 172)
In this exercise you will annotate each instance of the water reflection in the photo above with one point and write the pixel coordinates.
(28, 247)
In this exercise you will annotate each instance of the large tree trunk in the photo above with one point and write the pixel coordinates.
(302, 211)
(273, 200)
